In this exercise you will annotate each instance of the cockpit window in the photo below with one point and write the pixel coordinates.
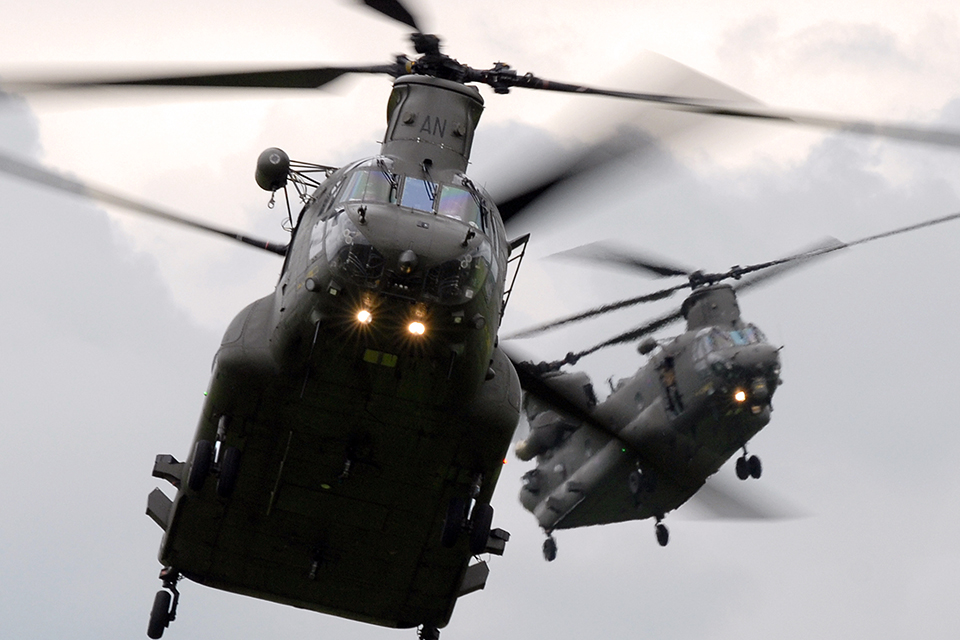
(418, 194)
(459, 204)
(750, 334)
(714, 339)
(369, 186)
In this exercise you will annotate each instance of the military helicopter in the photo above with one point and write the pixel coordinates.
(357, 417)
(652, 444)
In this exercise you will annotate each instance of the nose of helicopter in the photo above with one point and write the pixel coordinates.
(758, 365)
(760, 358)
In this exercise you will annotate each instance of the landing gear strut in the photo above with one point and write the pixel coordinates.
(165, 603)
(475, 522)
(428, 632)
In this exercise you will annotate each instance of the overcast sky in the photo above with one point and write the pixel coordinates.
(108, 326)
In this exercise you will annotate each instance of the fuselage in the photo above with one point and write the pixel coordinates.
(366, 391)
(697, 401)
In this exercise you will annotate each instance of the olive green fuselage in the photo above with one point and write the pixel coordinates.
(355, 433)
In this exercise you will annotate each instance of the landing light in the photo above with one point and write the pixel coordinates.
(364, 317)
(740, 395)
(416, 328)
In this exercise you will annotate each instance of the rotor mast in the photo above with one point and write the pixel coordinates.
(432, 121)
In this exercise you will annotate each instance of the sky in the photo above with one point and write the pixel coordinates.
(109, 325)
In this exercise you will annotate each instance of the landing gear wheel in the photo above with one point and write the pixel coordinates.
(453, 524)
(159, 615)
(743, 468)
(200, 469)
(229, 471)
(480, 522)
(428, 632)
(663, 534)
(754, 467)
(549, 549)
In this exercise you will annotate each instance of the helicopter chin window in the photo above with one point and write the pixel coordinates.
(458, 281)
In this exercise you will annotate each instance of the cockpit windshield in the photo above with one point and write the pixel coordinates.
(714, 339)
(459, 204)
(369, 186)
(374, 181)
(418, 194)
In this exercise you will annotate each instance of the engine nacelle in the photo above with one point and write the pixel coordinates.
(273, 169)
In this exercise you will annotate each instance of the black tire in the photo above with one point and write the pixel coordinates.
(743, 469)
(159, 615)
(453, 523)
(229, 472)
(550, 549)
(200, 469)
(754, 466)
(663, 534)
(481, 521)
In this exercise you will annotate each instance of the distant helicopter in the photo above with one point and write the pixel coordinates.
(357, 417)
(651, 445)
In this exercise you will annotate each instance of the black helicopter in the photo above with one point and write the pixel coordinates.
(358, 416)
(652, 444)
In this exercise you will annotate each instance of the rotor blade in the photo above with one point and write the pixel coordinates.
(533, 382)
(607, 308)
(926, 135)
(633, 260)
(770, 270)
(781, 267)
(393, 9)
(47, 178)
(594, 157)
(305, 78)
(715, 501)
(634, 334)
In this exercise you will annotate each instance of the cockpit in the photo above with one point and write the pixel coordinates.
(374, 182)
(449, 275)
(711, 339)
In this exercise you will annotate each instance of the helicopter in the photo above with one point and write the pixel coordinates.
(651, 445)
(216, 475)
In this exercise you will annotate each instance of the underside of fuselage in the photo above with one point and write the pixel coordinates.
(349, 463)
(676, 463)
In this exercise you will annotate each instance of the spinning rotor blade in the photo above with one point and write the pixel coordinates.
(623, 144)
(47, 178)
(533, 382)
(306, 78)
(605, 252)
(925, 135)
(393, 9)
(765, 271)
(718, 502)
(598, 311)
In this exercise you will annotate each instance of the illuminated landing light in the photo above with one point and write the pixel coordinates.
(364, 317)
(740, 395)
(416, 328)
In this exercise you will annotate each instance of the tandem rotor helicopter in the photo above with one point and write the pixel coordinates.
(358, 416)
